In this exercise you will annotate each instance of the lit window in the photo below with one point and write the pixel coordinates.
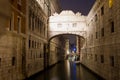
(110, 3)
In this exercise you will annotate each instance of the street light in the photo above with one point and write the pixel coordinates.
(68, 52)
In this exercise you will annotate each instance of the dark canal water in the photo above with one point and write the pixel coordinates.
(66, 71)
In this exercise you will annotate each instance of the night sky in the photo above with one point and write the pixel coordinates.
(82, 6)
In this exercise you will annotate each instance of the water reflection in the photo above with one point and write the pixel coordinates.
(66, 71)
(73, 71)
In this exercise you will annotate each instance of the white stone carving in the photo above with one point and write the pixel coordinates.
(67, 22)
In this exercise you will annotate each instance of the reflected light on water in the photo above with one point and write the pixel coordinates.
(55, 78)
(68, 68)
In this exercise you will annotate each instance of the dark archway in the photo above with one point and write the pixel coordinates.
(64, 34)
(47, 48)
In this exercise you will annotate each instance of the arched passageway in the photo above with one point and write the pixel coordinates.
(59, 47)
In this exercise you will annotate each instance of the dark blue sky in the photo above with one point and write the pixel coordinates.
(82, 6)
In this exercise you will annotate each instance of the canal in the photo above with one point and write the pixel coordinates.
(66, 71)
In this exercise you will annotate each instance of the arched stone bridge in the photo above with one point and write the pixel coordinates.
(67, 22)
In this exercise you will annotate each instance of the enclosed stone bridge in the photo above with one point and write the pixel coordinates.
(67, 22)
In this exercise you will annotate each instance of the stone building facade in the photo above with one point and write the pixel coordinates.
(23, 37)
(57, 50)
(54, 6)
(101, 50)
(12, 39)
(36, 37)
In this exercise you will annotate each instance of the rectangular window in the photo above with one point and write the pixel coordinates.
(95, 57)
(10, 24)
(35, 44)
(19, 24)
(102, 58)
(13, 61)
(112, 61)
(12, 21)
(0, 61)
(112, 26)
(29, 43)
(102, 32)
(102, 11)
(33, 27)
(35, 24)
(30, 19)
(32, 44)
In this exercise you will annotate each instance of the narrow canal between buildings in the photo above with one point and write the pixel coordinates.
(66, 71)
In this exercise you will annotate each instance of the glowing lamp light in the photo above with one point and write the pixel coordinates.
(68, 52)
(110, 3)
(74, 49)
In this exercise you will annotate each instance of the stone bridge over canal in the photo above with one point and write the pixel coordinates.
(67, 22)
